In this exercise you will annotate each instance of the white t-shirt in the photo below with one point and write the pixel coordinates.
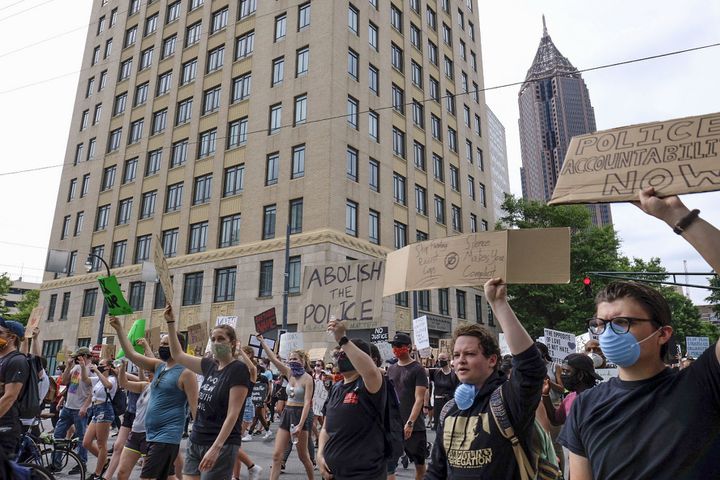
(77, 390)
(98, 394)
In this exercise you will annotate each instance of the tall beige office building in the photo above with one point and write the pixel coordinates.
(214, 124)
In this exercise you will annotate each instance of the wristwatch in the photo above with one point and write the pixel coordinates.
(343, 341)
(410, 423)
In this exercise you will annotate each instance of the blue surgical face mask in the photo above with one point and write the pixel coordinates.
(465, 396)
(622, 349)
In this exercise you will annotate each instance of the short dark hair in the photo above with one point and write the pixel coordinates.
(650, 299)
(486, 340)
(375, 354)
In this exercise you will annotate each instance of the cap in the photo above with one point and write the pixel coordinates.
(580, 361)
(82, 351)
(401, 339)
(15, 328)
(544, 353)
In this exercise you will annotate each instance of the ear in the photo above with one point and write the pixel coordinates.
(493, 360)
(665, 334)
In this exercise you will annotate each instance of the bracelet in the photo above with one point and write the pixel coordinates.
(343, 341)
(686, 221)
(168, 323)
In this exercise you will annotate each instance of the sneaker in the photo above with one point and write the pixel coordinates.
(267, 435)
(254, 472)
(77, 469)
(246, 438)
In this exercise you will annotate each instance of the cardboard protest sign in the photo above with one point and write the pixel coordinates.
(197, 338)
(265, 321)
(517, 256)
(560, 344)
(161, 267)
(34, 320)
(675, 156)
(386, 351)
(289, 342)
(504, 348)
(425, 352)
(351, 291)
(136, 331)
(153, 337)
(445, 345)
(696, 346)
(420, 332)
(61, 356)
(116, 303)
(317, 353)
(107, 351)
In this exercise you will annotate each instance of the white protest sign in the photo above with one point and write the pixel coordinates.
(226, 320)
(696, 346)
(560, 344)
(504, 349)
(320, 395)
(420, 332)
(386, 352)
(290, 341)
(581, 340)
(425, 352)
(607, 373)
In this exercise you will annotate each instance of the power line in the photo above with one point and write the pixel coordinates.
(26, 10)
(11, 5)
(428, 99)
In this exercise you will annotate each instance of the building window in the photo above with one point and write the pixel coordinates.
(478, 309)
(396, 18)
(137, 295)
(398, 99)
(72, 189)
(91, 149)
(189, 71)
(184, 111)
(194, 4)
(202, 190)
(159, 300)
(294, 274)
(125, 70)
(471, 187)
(85, 185)
(400, 234)
(480, 160)
(192, 288)
(118, 253)
(374, 125)
(168, 46)
(207, 143)
(237, 132)
(146, 58)
(419, 155)
(269, 214)
(353, 19)
(51, 308)
(423, 299)
(198, 237)
(374, 175)
(303, 16)
(418, 114)
(473, 223)
(373, 36)
(136, 131)
(211, 100)
(124, 211)
(461, 308)
(415, 37)
(142, 248)
(130, 36)
(351, 209)
(399, 189)
(141, 94)
(275, 118)
(456, 218)
(398, 142)
(434, 89)
(484, 225)
(420, 200)
(103, 216)
(401, 299)
(179, 153)
(440, 210)
(91, 83)
(416, 74)
(151, 24)
(302, 61)
(454, 178)
(396, 57)
(483, 197)
(108, 178)
(374, 227)
(452, 139)
(352, 112)
(351, 157)
(241, 87)
(216, 58)
(65, 306)
(443, 301)
(79, 153)
(173, 11)
(296, 215)
(353, 62)
(65, 232)
(278, 71)
(244, 45)
(169, 242)
(79, 221)
(233, 183)
(247, 8)
(300, 116)
(173, 202)
(225, 284)
(373, 79)
(272, 168)
(230, 231)
(147, 208)
(130, 170)
(266, 274)
(219, 20)
(192, 34)
(447, 35)
(119, 105)
(450, 102)
(298, 162)
(159, 121)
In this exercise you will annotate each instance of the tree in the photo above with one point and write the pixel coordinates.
(5, 284)
(714, 297)
(28, 301)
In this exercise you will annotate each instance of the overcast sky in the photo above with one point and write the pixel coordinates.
(37, 92)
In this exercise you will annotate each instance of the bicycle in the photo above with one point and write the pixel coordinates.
(57, 456)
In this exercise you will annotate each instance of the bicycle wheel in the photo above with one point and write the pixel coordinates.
(38, 472)
(66, 464)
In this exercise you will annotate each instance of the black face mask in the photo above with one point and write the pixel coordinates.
(345, 365)
(570, 382)
(101, 369)
(328, 383)
(164, 353)
(442, 363)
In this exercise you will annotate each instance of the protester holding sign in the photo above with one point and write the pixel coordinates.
(470, 444)
(649, 422)
(296, 418)
(173, 390)
(216, 435)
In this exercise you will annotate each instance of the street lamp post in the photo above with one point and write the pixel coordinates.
(89, 265)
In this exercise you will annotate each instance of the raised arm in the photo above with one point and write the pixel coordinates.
(35, 347)
(193, 363)
(101, 378)
(282, 368)
(517, 338)
(362, 362)
(147, 349)
(124, 382)
(249, 363)
(140, 360)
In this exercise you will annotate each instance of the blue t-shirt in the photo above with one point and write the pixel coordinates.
(167, 409)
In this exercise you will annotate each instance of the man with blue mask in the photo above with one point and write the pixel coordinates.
(650, 421)
(469, 443)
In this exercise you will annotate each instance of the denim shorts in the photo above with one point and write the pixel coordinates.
(102, 413)
(249, 412)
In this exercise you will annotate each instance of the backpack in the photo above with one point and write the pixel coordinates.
(29, 400)
(118, 401)
(392, 424)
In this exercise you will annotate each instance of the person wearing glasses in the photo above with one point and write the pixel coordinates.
(649, 422)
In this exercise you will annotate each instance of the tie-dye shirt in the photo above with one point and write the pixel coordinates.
(77, 390)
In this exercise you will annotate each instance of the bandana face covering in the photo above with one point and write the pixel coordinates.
(401, 351)
(297, 369)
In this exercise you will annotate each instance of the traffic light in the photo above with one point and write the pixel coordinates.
(587, 285)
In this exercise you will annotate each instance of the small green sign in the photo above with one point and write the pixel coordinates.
(116, 303)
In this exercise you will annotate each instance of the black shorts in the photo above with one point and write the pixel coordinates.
(128, 419)
(160, 460)
(416, 447)
(291, 415)
(137, 443)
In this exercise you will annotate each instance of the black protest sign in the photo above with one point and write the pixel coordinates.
(116, 303)
(379, 334)
(265, 321)
(259, 393)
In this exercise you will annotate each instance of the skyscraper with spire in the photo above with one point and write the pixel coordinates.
(554, 106)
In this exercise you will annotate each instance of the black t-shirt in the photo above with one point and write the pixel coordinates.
(260, 391)
(667, 426)
(213, 401)
(469, 445)
(406, 378)
(14, 368)
(444, 384)
(353, 419)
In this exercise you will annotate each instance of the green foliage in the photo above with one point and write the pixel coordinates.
(714, 297)
(5, 284)
(28, 301)
(592, 249)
